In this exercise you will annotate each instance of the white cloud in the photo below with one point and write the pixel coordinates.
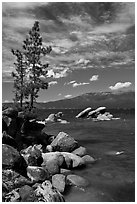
(68, 96)
(52, 83)
(59, 94)
(82, 61)
(57, 75)
(80, 84)
(120, 85)
(94, 78)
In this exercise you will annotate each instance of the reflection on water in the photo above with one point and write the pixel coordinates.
(111, 178)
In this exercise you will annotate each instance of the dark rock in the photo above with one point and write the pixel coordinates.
(81, 151)
(58, 181)
(65, 171)
(64, 143)
(27, 194)
(7, 139)
(88, 159)
(4, 125)
(36, 173)
(76, 180)
(10, 112)
(76, 160)
(14, 180)
(12, 159)
(33, 155)
(46, 193)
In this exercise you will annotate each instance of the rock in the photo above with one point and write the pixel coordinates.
(81, 151)
(84, 113)
(64, 143)
(27, 194)
(92, 114)
(10, 112)
(102, 117)
(51, 118)
(58, 182)
(52, 162)
(65, 171)
(77, 180)
(12, 159)
(12, 196)
(7, 139)
(46, 193)
(49, 148)
(88, 159)
(59, 114)
(14, 180)
(4, 125)
(36, 173)
(76, 160)
(101, 110)
(33, 155)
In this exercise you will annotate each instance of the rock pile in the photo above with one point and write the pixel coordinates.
(37, 167)
(99, 114)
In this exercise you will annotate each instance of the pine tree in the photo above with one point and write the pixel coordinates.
(33, 51)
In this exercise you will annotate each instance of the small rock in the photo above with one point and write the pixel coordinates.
(36, 173)
(88, 159)
(58, 181)
(81, 151)
(64, 143)
(12, 196)
(65, 171)
(27, 194)
(49, 148)
(77, 180)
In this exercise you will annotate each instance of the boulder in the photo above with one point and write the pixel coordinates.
(33, 155)
(101, 110)
(36, 173)
(51, 118)
(88, 159)
(46, 193)
(92, 114)
(84, 113)
(27, 194)
(12, 159)
(81, 151)
(103, 117)
(76, 160)
(7, 139)
(5, 123)
(65, 171)
(12, 179)
(64, 143)
(10, 112)
(58, 182)
(76, 180)
(52, 162)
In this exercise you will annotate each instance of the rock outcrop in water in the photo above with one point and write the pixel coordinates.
(99, 114)
(36, 166)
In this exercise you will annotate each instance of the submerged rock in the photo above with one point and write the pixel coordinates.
(58, 181)
(81, 151)
(88, 159)
(75, 180)
(64, 143)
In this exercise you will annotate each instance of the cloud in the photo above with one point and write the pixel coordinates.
(68, 96)
(57, 75)
(59, 94)
(120, 85)
(94, 78)
(80, 84)
(82, 61)
(52, 83)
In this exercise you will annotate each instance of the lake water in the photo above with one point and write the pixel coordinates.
(112, 177)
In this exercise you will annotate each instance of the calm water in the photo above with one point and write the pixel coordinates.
(111, 178)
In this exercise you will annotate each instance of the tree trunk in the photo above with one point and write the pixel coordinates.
(21, 99)
(31, 101)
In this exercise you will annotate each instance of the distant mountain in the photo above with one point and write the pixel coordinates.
(115, 100)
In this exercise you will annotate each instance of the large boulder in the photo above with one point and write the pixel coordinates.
(52, 162)
(10, 112)
(7, 139)
(64, 143)
(58, 182)
(80, 151)
(84, 113)
(75, 180)
(37, 174)
(12, 159)
(46, 193)
(33, 155)
(76, 160)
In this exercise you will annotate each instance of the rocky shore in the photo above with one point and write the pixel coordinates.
(37, 167)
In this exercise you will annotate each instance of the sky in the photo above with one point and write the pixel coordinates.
(93, 45)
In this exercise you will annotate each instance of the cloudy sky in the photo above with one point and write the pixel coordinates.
(92, 45)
